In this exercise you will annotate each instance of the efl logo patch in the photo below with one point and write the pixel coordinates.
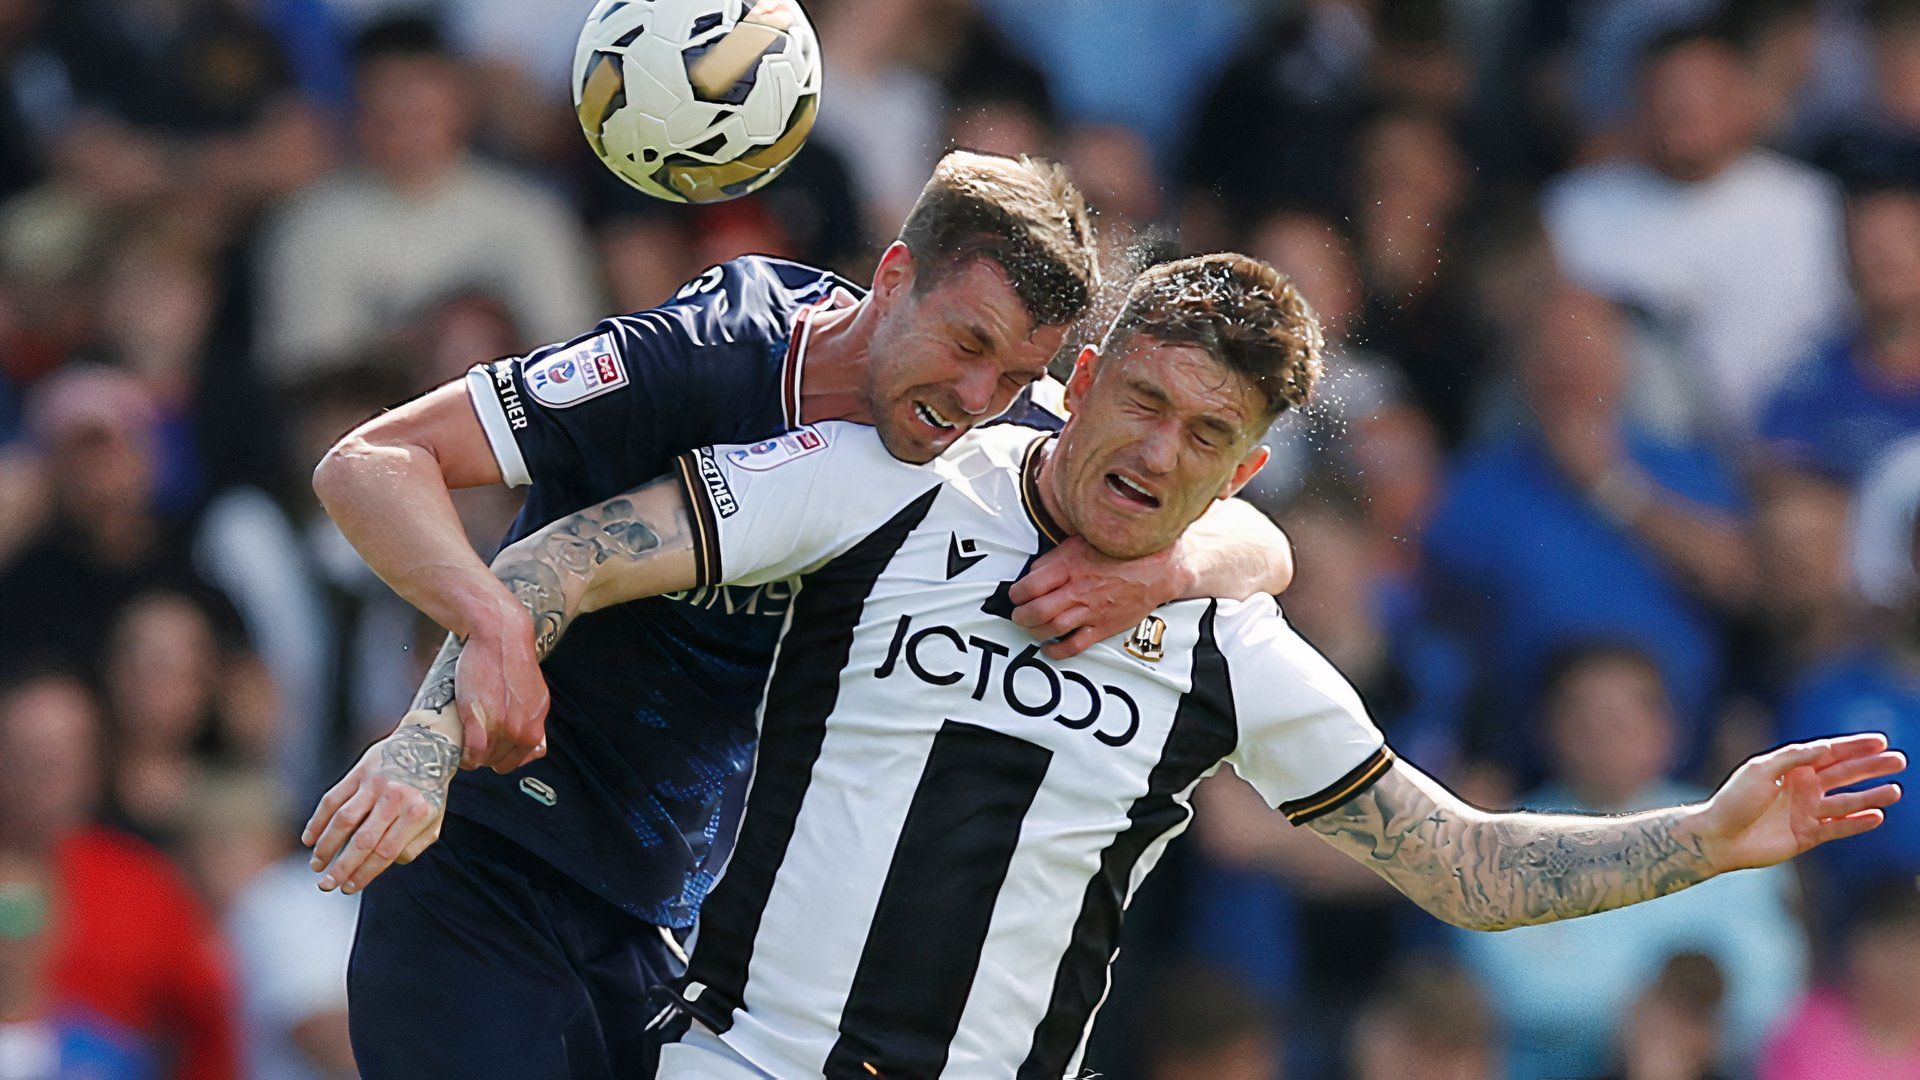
(716, 484)
(779, 450)
(571, 376)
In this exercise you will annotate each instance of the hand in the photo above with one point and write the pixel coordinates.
(1074, 596)
(1780, 804)
(501, 695)
(387, 809)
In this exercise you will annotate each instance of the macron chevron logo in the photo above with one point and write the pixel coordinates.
(960, 556)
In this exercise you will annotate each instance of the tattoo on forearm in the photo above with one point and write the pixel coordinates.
(566, 555)
(421, 758)
(436, 690)
(1493, 871)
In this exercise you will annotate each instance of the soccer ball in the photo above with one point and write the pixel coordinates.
(697, 101)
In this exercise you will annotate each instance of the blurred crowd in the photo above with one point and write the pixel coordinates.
(1613, 479)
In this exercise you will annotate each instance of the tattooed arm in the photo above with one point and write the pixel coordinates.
(1494, 871)
(388, 808)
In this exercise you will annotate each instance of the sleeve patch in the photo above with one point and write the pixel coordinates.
(572, 375)
(778, 450)
(718, 493)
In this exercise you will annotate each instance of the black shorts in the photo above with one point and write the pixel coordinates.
(480, 960)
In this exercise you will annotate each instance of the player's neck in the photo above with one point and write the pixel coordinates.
(833, 375)
(1046, 485)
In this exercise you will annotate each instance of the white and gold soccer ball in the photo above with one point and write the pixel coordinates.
(697, 101)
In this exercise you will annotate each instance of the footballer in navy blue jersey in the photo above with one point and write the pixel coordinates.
(653, 702)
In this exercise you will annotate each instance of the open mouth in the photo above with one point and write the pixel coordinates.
(929, 416)
(1132, 492)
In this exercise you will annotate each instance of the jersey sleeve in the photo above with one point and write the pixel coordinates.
(780, 507)
(1305, 740)
(625, 395)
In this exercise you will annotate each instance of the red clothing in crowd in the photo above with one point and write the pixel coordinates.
(133, 943)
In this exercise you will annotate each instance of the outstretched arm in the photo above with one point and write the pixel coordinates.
(1494, 871)
(389, 806)
(1075, 596)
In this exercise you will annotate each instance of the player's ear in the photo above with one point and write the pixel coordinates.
(1250, 465)
(1081, 380)
(895, 272)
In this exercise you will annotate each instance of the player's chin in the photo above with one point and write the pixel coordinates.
(909, 446)
(916, 441)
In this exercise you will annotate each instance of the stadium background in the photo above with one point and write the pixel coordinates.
(1608, 487)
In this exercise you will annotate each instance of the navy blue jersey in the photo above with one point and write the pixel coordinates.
(654, 700)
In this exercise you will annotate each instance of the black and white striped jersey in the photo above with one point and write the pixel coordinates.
(944, 826)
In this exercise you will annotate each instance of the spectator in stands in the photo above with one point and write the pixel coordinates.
(1426, 1023)
(165, 672)
(1565, 992)
(1581, 526)
(1732, 251)
(1868, 1024)
(1282, 115)
(1674, 1029)
(132, 943)
(417, 219)
(1209, 1028)
(1809, 612)
(1895, 26)
(1860, 393)
(1875, 685)
(41, 1037)
(290, 940)
(105, 542)
(1307, 929)
(1411, 184)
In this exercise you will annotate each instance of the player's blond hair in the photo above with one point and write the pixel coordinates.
(1243, 312)
(1022, 214)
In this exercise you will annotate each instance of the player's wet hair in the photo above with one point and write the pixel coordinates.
(1023, 214)
(1243, 312)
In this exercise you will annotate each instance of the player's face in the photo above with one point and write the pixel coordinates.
(1156, 434)
(952, 356)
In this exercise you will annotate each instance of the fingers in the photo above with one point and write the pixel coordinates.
(1857, 769)
(330, 803)
(1073, 644)
(473, 733)
(1842, 747)
(1049, 573)
(1852, 802)
(1778, 763)
(414, 816)
(1040, 612)
(1065, 623)
(388, 809)
(420, 844)
(515, 748)
(344, 822)
(1851, 825)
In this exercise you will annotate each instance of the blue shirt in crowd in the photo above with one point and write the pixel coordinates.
(1866, 691)
(1837, 414)
(1526, 567)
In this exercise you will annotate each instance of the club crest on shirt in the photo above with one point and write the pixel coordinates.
(778, 450)
(1148, 640)
(570, 376)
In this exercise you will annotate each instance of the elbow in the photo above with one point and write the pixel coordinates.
(1279, 564)
(333, 475)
